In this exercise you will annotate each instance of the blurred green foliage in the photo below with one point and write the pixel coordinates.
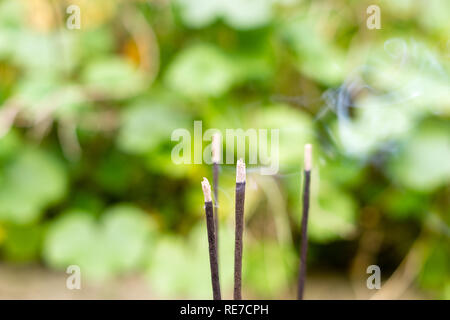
(86, 116)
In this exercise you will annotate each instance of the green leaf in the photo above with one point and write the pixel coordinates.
(69, 238)
(42, 94)
(126, 231)
(164, 274)
(71, 102)
(423, 162)
(22, 243)
(239, 14)
(269, 269)
(169, 280)
(317, 56)
(38, 52)
(201, 70)
(198, 13)
(11, 14)
(102, 250)
(403, 204)
(362, 136)
(33, 89)
(332, 213)
(434, 273)
(116, 173)
(96, 43)
(147, 125)
(113, 77)
(295, 130)
(247, 14)
(28, 185)
(10, 145)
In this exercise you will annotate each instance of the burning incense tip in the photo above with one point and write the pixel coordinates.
(240, 171)
(215, 148)
(308, 157)
(206, 190)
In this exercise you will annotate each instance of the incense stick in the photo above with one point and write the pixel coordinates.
(214, 265)
(304, 234)
(239, 212)
(215, 157)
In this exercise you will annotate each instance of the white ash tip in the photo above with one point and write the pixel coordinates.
(308, 157)
(240, 171)
(215, 148)
(206, 190)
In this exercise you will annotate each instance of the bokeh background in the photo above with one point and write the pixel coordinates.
(86, 116)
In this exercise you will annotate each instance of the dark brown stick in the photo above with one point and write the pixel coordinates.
(304, 234)
(216, 155)
(304, 231)
(240, 198)
(239, 216)
(216, 202)
(212, 251)
(213, 261)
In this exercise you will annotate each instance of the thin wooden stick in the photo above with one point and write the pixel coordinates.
(214, 265)
(238, 243)
(215, 157)
(304, 234)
